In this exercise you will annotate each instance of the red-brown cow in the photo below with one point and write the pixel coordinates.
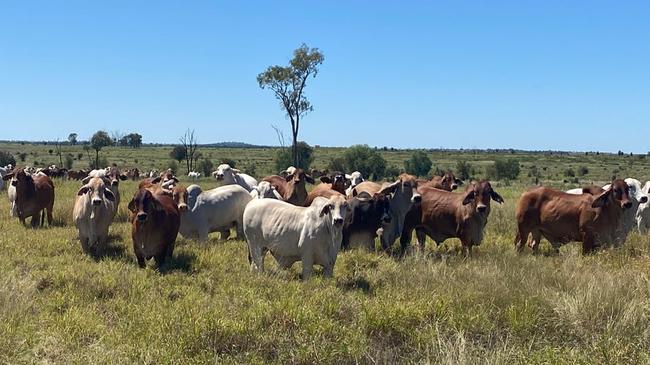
(328, 187)
(561, 217)
(155, 221)
(447, 182)
(444, 215)
(292, 188)
(33, 195)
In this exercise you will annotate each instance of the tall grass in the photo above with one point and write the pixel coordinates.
(58, 305)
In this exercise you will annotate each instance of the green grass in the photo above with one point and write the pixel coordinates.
(60, 306)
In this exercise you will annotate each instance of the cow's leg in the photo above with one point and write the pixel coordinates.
(255, 254)
(421, 236)
(467, 250)
(520, 238)
(307, 266)
(84, 244)
(140, 259)
(49, 215)
(225, 234)
(328, 270)
(588, 243)
(405, 237)
(534, 243)
(240, 230)
(35, 220)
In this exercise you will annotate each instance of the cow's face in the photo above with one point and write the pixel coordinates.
(450, 182)
(299, 177)
(409, 187)
(382, 207)
(143, 204)
(97, 191)
(179, 194)
(336, 208)
(114, 175)
(479, 195)
(618, 193)
(355, 178)
(222, 171)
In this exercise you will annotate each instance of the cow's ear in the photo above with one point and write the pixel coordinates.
(288, 178)
(84, 189)
(469, 197)
(601, 200)
(496, 197)
(123, 177)
(236, 171)
(390, 188)
(325, 179)
(109, 194)
(326, 209)
(156, 180)
(132, 205)
(309, 179)
(354, 193)
(86, 179)
(8, 176)
(458, 182)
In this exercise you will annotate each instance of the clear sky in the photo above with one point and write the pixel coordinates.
(568, 75)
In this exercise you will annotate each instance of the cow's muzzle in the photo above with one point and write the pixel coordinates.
(142, 217)
(338, 222)
(627, 205)
(481, 208)
(454, 186)
(14, 183)
(182, 207)
(97, 202)
(386, 218)
(643, 200)
(114, 182)
(416, 198)
(219, 176)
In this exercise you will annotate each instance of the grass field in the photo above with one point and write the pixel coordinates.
(58, 306)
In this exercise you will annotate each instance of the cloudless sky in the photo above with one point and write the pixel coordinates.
(568, 75)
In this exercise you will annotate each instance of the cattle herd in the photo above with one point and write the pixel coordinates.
(279, 215)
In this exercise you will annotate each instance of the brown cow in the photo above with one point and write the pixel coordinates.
(447, 182)
(155, 221)
(328, 187)
(292, 188)
(78, 175)
(133, 174)
(561, 217)
(33, 195)
(444, 215)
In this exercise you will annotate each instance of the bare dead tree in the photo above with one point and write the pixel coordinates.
(190, 144)
(117, 136)
(279, 133)
(57, 148)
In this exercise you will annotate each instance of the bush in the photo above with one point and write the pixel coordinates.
(232, 163)
(503, 169)
(463, 170)
(205, 167)
(69, 160)
(283, 158)
(103, 162)
(22, 156)
(251, 169)
(569, 173)
(392, 172)
(7, 158)
(419, 164)
(583, 170)
(365, 160)
(337, 164)
(173, 165)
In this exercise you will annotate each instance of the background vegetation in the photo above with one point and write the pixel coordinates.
(59, 306)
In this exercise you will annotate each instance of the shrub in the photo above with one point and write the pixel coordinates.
(173, 165)
(419, 164)
(392, 172)
(365, 160)
(206, 167)
(583, 170)
(569, 173)
(283, 158)
(103, 162)
(503, 169)
(232, 163)
(22, 156)
(7, 158)
(463, 170)
(69, 160)
(337, 164)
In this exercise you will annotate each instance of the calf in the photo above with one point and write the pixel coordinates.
(11, 194)
(328, 187)
(33, 195)
(447, 182)
(92, 214)
(367, 214)
(215, 210)
(402, 195)
(309, 234)
(355, 179)
(643, 212)
(444, 215)
(155, 221)
(194, 175)
(78, 175)
(265, 190)
(231, 176)
(560, 217)
(292, 188)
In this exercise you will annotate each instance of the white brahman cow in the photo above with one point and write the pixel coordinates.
(355, 179)
(215, 210)
(643, 213)
(94, 209)
(265, 190)
(231, 176)
(292, 233)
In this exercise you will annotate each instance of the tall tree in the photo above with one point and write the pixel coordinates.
(135, 140)
(190, 144)
(288, 84)
(178, 153)
(98, 141)
(72, 138)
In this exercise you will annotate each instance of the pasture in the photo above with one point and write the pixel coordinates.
(58, 305)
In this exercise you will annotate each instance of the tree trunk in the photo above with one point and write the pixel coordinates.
(96, 159)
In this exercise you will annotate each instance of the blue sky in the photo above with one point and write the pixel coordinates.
(568, 75)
